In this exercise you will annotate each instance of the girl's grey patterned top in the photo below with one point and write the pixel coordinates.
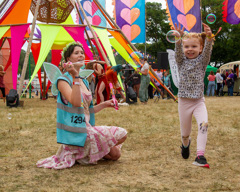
(192, 71)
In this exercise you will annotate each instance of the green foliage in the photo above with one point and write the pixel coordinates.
(31, 61)
(157, 28)
(226, 45)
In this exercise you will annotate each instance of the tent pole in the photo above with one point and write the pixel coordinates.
(80, 17)
(28, 49)
(94, 35)
(4, 39)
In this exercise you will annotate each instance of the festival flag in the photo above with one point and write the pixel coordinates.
(231, 11)
(17, 34)
(49, 33)
(187, 13)
(103, 36)
(77, 34)
(130, 17)
(120, 49)
(94, 15)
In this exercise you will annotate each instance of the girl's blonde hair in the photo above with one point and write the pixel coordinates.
(1, 67)
(200, 36)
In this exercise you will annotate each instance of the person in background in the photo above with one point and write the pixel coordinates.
(167, 82)
(145, 80)
(230, 82)
(111, 74)
(160, 76)
(219, 80)
(136, 80)
(81, 141)
(2, 84)
(224, 78)
(102, 90)
(211, 84)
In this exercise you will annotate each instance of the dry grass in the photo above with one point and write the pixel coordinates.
(151, 159)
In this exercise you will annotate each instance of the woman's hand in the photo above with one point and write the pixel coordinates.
(109, 103)
(70, 68)
(105, 104)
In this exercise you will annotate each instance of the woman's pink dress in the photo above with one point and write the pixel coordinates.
(99, 141)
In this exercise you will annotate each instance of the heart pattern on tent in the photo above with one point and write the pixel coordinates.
(187, 21)
(126, 15)
(130, 15)
(183, 5)
(91, 8)
(131, 32)
(135, 13)
(135, 31)
(129, 3)
(237, 8)
(87, 6)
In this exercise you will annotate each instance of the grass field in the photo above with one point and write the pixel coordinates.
(151, 159)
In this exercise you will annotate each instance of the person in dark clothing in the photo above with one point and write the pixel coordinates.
(150, 90)
(230, 82)
(135, 78)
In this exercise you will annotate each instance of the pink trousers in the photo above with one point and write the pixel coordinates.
(186, 108)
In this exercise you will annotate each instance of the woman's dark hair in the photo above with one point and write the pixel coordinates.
(211, 73)
(70, 50)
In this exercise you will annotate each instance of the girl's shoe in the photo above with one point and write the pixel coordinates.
(186, 150)
(201, 162)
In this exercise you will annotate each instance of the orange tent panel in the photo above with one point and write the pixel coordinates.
(19, 13)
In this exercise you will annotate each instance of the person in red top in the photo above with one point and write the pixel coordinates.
(211, 84)
(2, 85)
(102, 89)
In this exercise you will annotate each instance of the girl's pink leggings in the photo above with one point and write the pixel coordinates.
(186, 108)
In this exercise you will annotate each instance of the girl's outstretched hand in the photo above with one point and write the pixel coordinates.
(207, 30)
(178, 28)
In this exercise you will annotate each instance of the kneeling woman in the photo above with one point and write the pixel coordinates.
(81, 140)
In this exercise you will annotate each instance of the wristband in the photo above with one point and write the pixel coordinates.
(76, 83)
(78, 77)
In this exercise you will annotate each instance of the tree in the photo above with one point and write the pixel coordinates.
(226, 45)
(157, 25)
(32, 63)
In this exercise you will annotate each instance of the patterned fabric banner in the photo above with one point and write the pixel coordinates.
(119, 48)
(3, 30)
(187, 13)
(35, 52)
(130, 17)
(49, 33)
(94, 15)
(17, 34)
(231, 11)
(77, 34)
(103, 36)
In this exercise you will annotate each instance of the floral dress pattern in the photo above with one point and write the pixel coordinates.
(99, 141)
